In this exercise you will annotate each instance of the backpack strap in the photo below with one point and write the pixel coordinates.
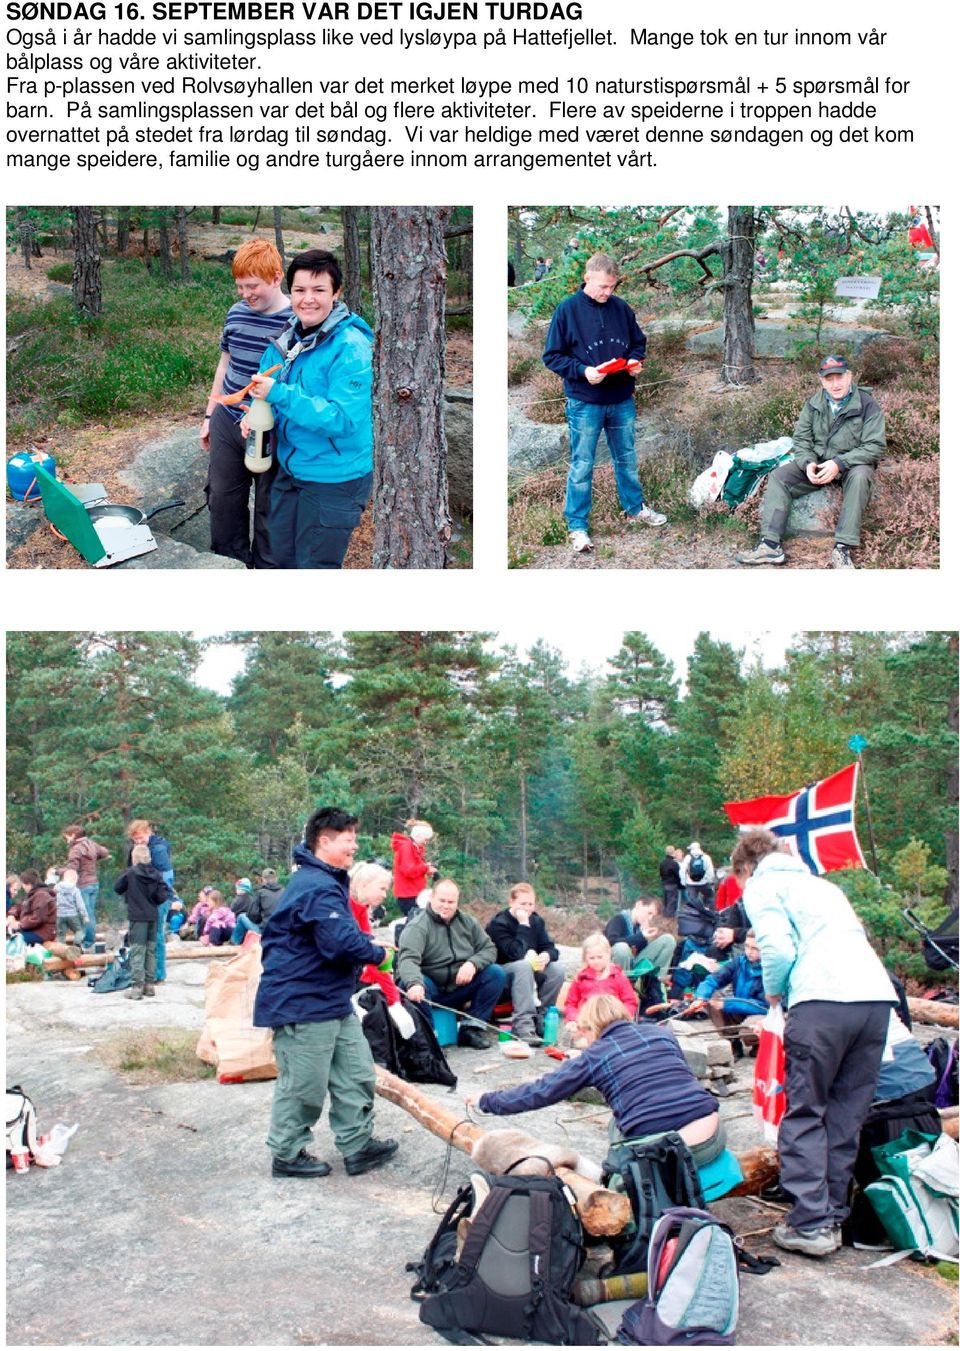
(540, 1237)
(476, 1239)
(454, 1213)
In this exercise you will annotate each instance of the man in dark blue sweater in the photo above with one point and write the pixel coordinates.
(590, 330)
(312, 951)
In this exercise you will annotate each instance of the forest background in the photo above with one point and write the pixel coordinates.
(526, 770)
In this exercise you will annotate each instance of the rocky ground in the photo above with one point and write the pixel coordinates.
(162, 1226)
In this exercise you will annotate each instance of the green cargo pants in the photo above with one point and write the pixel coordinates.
(312, 1058)
(788, 481)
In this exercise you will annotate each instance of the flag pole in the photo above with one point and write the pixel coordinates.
(866, 803)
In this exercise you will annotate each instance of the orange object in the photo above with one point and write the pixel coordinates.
(241, 394)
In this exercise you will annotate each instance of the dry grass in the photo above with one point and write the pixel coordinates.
(155, 1056)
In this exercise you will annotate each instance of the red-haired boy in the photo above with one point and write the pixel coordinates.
(261, 314)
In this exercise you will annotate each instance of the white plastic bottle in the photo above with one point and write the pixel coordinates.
(257, 455)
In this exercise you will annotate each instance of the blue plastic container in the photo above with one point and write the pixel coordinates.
(445, 1026)
(22, 474)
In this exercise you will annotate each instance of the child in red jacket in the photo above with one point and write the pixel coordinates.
(410, 867)
(598, 975)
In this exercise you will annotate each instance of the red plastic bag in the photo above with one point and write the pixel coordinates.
(769, 1077)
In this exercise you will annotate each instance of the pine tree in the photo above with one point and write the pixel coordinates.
(286, 680)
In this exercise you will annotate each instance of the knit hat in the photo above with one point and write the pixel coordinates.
(244, 884)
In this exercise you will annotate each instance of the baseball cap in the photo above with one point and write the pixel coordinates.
(834, 365)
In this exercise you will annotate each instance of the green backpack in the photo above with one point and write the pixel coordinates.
(916, 1196)
(751, 466)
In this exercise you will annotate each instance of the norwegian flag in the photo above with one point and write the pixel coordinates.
(817, 823)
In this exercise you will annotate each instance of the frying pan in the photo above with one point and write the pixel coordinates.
(119, 511)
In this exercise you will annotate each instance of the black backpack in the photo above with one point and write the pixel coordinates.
(657, 1174)
(698, 868)
(515, 1272)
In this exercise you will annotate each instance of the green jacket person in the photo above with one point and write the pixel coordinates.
(839, 435)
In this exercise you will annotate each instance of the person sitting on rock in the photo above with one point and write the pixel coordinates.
(34, 917)
(840, 434)
(528, 955)
(446, 957)
(744, 975)
(598, 975)
(218, 926)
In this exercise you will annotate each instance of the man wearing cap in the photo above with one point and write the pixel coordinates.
(596, 345)
(839, 435)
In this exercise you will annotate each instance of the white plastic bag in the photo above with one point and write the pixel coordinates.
(707, 487)
(60, 1137)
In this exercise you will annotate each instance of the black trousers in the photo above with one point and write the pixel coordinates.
(228, 496)
(833, 1053)
(311, 523)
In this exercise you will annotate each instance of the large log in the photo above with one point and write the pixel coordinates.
(602, 1212)
(759, 1166)
(934, 1012)
(95, 959)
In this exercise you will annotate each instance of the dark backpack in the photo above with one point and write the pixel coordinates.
(657, 1174)
(693, 1284)
(515, 1272)
(419, 1058)
(698, 868)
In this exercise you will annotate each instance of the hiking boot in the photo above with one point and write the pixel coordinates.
(304, 1165)
(133, 993)
(840, 557)
(811, 1242)
(474, 1039)
(580, 542)
(529, 1035)
(148, 992)
(373, 1154)
(647, 516)
(763, 553)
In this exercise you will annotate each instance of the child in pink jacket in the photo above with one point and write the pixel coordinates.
(598, 975)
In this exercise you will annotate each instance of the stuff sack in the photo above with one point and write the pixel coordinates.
(21, 1124)
(513, 1276)
(658, 1174)
(693, 1284)
(751, 466)
(915, 1197)
(117, 976)
(769, 1076)
(229, 1040)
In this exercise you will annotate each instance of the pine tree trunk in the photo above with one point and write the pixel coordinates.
(25, 231)
(86, 262)
(215, 215)
(164, 255)
(278, 237)
(146, 248)
(524, 866)
(738, 328)
(184, 244)
(123, 229)
(353, 283)
(411, 517)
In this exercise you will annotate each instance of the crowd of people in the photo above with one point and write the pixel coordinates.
(727, 944)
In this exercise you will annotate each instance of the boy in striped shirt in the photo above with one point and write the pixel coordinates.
(261, 313)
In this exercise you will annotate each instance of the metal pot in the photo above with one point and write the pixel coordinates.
(131, 515)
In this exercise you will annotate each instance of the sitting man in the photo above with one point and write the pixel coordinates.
(639, 932)
(529, 959)
(745, 977)
(839, 434)
(447, 958)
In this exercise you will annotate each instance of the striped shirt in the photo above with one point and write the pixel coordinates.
(246, 333)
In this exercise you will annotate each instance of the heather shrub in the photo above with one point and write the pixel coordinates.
(545, 401)
(913, 418)
(901, 528)
(887, 359)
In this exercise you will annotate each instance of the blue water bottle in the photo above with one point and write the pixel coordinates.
(551, 1026)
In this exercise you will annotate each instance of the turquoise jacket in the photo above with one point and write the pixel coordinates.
(323, 398)
(812, 946)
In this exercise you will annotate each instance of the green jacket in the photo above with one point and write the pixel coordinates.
(856, 436)
(429, 947)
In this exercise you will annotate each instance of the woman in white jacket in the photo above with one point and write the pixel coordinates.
(817, 959)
